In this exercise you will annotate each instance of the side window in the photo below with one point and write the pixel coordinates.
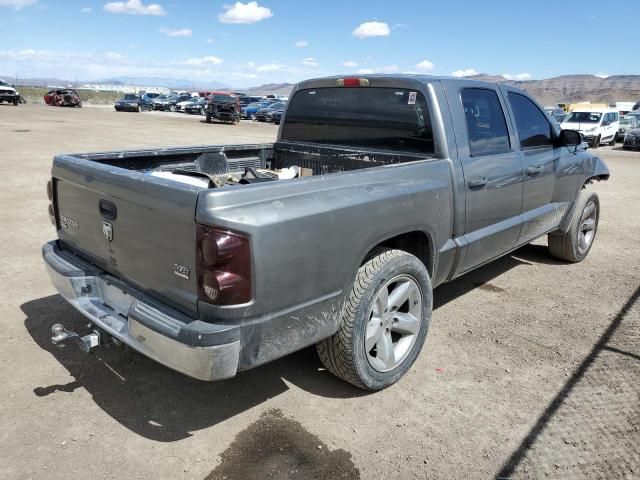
(486, 125)
(533, 128)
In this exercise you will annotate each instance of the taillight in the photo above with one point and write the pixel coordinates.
(52, 215)
(352, 82)
(224, 266)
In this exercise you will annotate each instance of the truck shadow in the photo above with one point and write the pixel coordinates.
(163, 405)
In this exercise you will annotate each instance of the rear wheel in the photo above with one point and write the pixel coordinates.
(574, 245)
(384, 322)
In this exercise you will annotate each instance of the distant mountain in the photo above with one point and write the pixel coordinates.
(576, 88)
(172, 83)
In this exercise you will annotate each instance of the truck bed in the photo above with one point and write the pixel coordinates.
(215, 160)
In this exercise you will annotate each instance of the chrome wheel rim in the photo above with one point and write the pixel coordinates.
(394, 323)
(587, 229)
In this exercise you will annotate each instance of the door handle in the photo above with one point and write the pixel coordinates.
(477, 182)
(108, 210)
(534, 170)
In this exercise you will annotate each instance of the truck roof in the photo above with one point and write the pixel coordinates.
(392, 80)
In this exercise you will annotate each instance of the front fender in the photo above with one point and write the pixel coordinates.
(599, 170)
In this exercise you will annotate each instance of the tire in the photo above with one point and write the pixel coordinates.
(575, 245)
(596, 142)
(172, 108)
(139, 109)
(345, 354)
(202, 111)
(614, 140)
(208, 119)
(16, 102)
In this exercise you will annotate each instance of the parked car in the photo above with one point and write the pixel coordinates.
(180, 106)
(246, 100)
(8, 93)
(132, 103)
(222, 106)
(632, 139)
(65, 97)
(559, 118)
(169, 103)
(553, 111)
(596, 126)
(407, 190)
(266, 114)
(249, 112)
(197, 107)
(627, 123)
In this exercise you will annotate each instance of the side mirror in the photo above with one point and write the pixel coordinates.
(570, 138)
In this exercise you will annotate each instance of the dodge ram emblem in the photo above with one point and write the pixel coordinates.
(107, 231)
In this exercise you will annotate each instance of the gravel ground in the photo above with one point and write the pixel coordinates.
(530, 369)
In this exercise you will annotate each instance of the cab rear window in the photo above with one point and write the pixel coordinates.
(369, 118)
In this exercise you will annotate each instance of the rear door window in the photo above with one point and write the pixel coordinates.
(533, 127)
(486, 124)
(393, 119)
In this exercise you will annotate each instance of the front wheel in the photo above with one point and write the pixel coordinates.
(614, 140)
(384, 322)
(172, 108)
(574, 245)
(596, 142)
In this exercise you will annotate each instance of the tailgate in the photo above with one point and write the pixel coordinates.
(138, 228)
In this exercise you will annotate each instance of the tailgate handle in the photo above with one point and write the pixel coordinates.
(108, 210)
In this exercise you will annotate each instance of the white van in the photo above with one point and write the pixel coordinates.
(596, 126)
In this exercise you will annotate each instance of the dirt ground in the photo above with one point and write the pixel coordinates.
(530, 369)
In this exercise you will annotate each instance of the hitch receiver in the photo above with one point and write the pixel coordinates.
(86, 343)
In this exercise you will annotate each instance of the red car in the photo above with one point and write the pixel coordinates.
(66, 97)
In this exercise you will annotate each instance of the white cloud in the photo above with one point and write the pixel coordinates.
(372, 29)
(301, 43)
(210, 60)
(134, 7)
(602, 75)
(245, 13)
(87, 10)
(181, 32)
(424, 66)
(269, 67)
(517, 76)
(209, 40)
(464, 73)
(310, 62)
(365, 71)
(17, 4)
(349, 64)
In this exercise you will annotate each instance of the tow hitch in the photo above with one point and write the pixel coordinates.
(87, 343)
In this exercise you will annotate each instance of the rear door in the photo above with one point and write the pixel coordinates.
(133, 226)
(540, 165)
(492, 171)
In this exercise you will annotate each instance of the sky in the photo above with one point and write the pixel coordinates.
(251, 43)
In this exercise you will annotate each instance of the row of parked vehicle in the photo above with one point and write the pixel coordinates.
(221, 106)
(605, 126)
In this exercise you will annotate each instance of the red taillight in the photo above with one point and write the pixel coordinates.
(52, 215)
(352, 82)
(224, 266)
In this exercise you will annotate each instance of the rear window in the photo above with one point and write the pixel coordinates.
(377, 118)
(223, 98)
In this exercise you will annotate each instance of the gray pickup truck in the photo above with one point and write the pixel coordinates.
(215, 259)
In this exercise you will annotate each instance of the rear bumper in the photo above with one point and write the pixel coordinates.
(198, 349)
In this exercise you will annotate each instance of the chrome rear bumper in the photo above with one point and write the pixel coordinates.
(159, 333)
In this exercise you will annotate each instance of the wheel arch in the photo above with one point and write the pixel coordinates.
(416, 242)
